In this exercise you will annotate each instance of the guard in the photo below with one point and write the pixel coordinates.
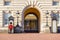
(10, 27)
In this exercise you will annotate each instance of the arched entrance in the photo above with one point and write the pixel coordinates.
(31, 20)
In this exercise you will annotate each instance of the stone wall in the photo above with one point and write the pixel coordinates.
(19, 5)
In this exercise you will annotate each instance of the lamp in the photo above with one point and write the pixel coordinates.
(17, 29)
(47, 18)
(17, 17)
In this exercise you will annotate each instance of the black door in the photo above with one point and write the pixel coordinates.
(31, 26)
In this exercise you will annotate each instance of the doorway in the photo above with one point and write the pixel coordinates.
(31, 21)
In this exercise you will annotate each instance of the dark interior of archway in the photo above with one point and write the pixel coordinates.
(31, 26)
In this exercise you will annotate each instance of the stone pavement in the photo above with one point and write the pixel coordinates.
(30, 36)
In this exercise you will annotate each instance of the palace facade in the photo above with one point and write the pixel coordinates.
(41, 16)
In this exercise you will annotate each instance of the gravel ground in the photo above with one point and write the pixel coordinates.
(30, 36)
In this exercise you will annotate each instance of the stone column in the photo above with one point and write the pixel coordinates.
(22, 22)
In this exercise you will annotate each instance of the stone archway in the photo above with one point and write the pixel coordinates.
(36, 17)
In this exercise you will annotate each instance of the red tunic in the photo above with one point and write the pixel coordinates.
(10, 26)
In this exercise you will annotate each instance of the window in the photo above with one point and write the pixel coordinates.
(59, 20)
(6, 18)
(56, 16)
(55, 3)
(7, 2)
